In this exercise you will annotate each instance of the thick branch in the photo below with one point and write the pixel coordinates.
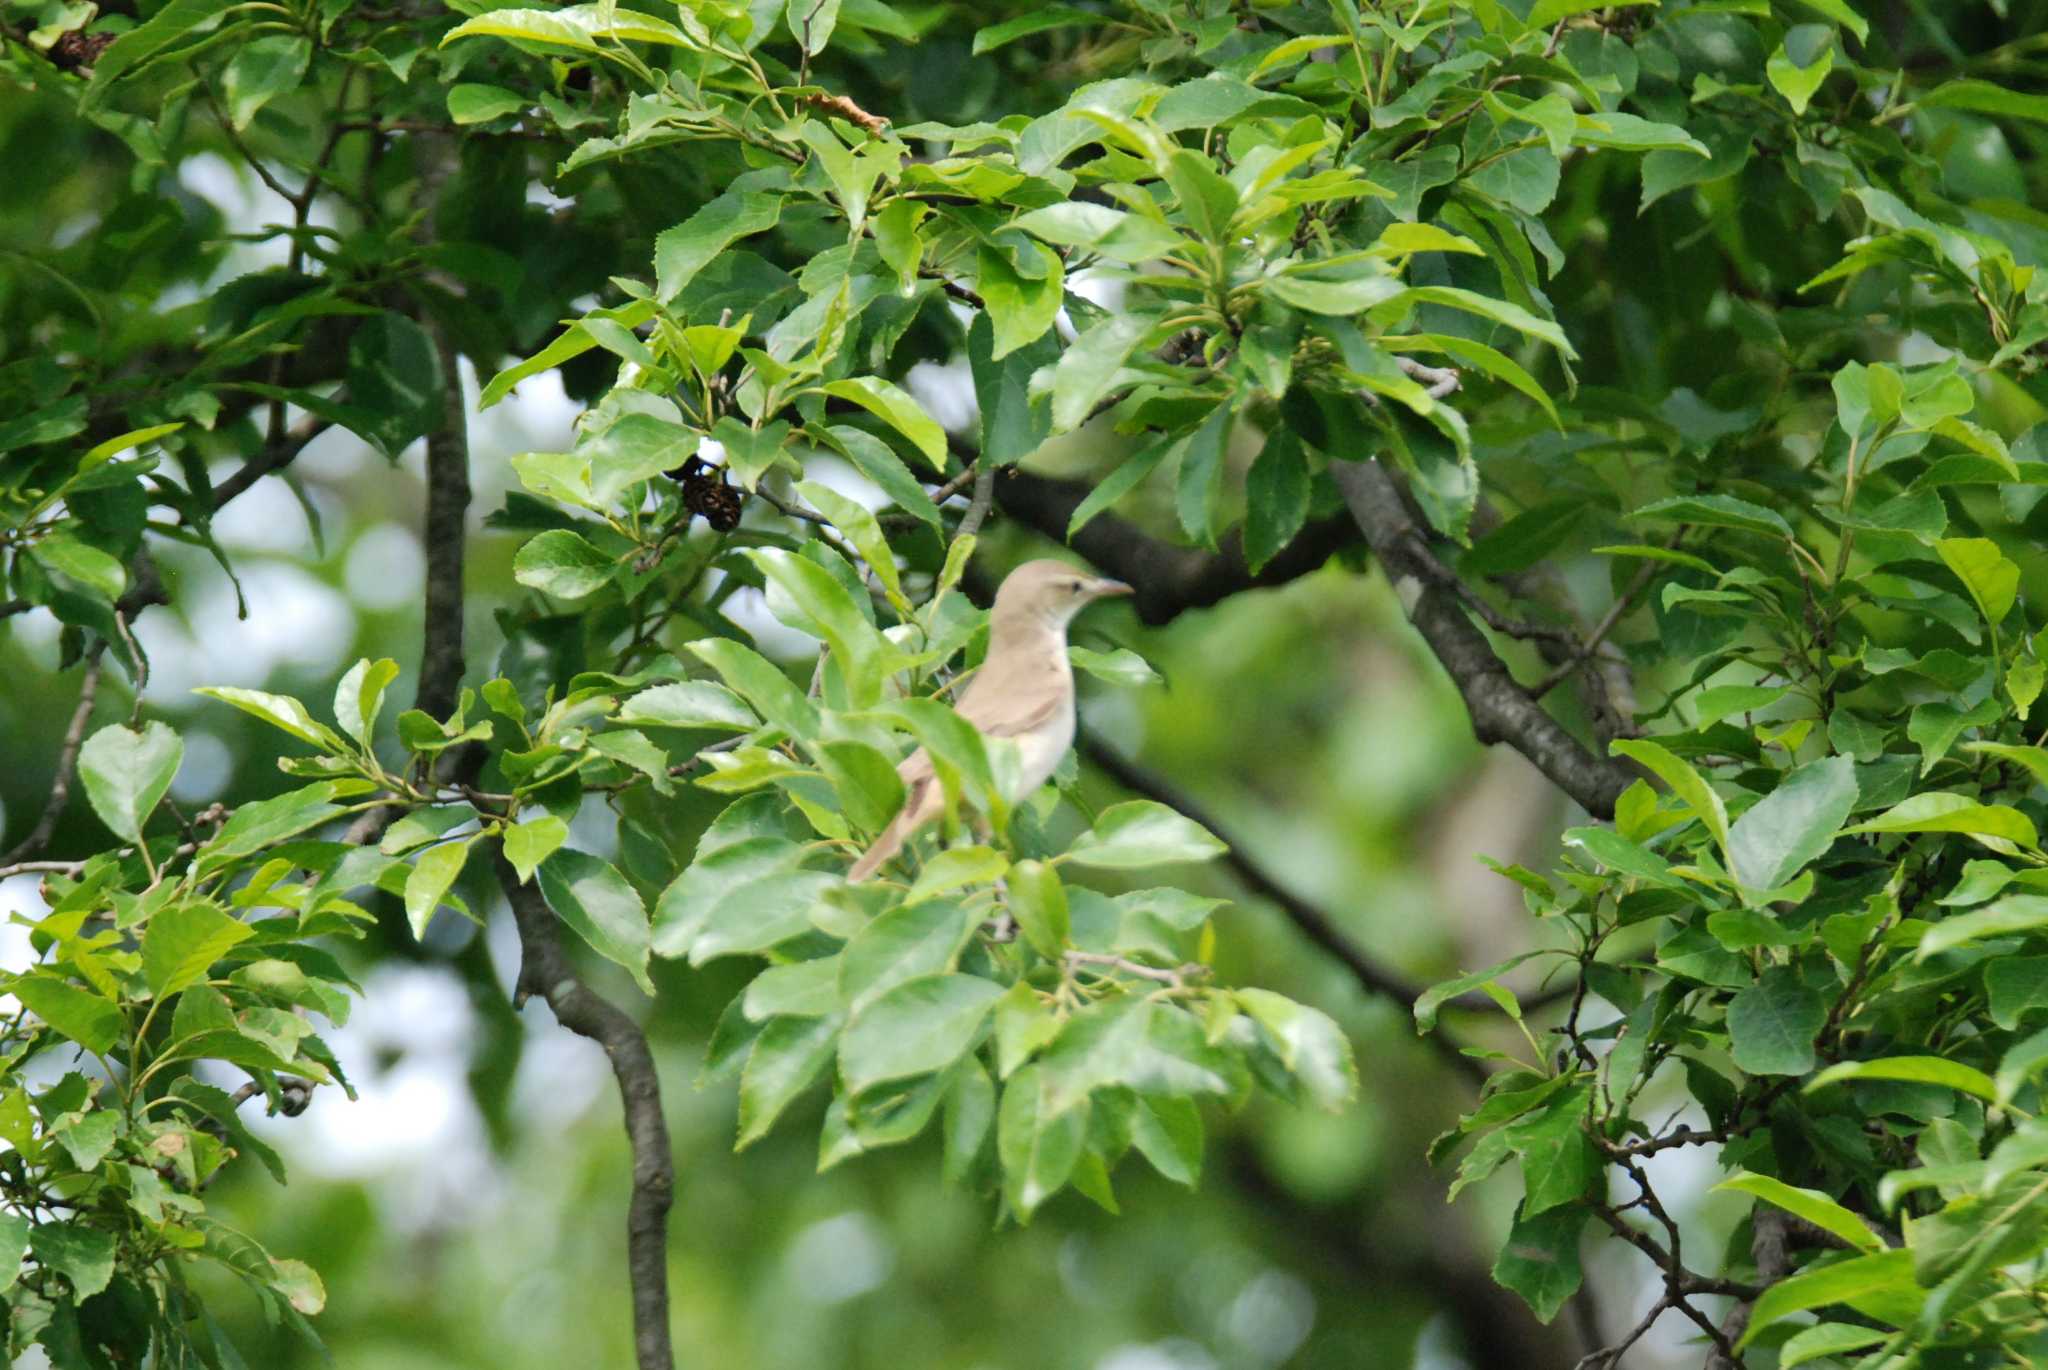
(1169, 580)
(1317, 925)
(545, 970)
(1770, 1247)
(1501, 709)
(441, 662)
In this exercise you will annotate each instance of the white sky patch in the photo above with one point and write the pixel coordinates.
(205, 770)
(1177, 1353)
(946, 392)
(839, 1258)
(267, 517)
(294, 619)
(386, 567)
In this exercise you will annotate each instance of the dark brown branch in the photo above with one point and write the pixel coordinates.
(67, 761)
(1169, 580)
(441, 661)
(545, 970)
(1315, 924)
(1501, 709)
(272, 456)
(1769, 1246)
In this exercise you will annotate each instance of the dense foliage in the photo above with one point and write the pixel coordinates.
(1688, 355)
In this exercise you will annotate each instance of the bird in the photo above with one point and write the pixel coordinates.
(1024, 691)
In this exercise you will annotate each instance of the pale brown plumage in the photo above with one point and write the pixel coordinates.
(1024, 691)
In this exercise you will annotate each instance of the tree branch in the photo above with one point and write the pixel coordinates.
(1169, 580)
(67, 761)
(1315, 924)
(545, 970)
(1501, 709)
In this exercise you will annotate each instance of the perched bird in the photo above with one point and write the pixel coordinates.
(1024, 691)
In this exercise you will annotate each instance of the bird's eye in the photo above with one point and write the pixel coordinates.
(1075, 586)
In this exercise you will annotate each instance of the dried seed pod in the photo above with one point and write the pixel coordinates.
(707, 494)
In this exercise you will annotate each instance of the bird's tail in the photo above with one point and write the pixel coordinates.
(887, 843)
(917, 809)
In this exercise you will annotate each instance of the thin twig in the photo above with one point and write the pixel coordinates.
(979, 504)
(67, 761)
(1585, 651)
(1176, 976)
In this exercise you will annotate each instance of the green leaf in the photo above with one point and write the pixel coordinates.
(824, 607)
(83, 1255)
(434, 871)
(1773, 1023)
(869, 789)
(560, 563)
(1810, 1204)
(1038, 901)
(1486, 307)
(1842, 13)
(760, 683)
(532, 842)
(394, 378)
(956, 867)
(126, 774)
(602, 907)
(1540, 1259)
(1038, 20)
(1037, 1146)
(1797, 79)
(1716, 511)
(88, 565)
(1021, 308)
(803, 989)
(183, 940)
(1985, 97)
(1113, 233)
(740, 897)
(471, 103)
(1120, 482)
(915, 1027)
(789, 1054)
(1120, 667)
(1687, 785)
(91, 1020)
(1793, 824)
(2014, 913)
(903, 943)
(858, 526)
(258, 824)
(811, 22)
(573, 342)
(13, 1246)
(1558, 1159)
(1088, 369)
(1140, 833)
(1881, 1272)
(1310, 1044)
(1940, 811)
(1826, 1339)
(359, 698)
(1992, 580)
(688, 704)
(576, 26)
(260, 71)
(683, 251)
(1276, 498)
(1199, 489)
(1926, 1070)
(280, 711)
(1431, 1001)
(1137, 1044)
(896, 408)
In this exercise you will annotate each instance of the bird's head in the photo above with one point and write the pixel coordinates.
(1051, 592)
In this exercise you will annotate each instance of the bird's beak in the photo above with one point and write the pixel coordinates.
(1112, 587)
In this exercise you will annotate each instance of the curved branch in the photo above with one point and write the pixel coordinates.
(1501, 709)
(1169, 580)
(545, 970)
(67, 761)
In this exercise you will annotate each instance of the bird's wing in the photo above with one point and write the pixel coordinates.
(1016, 710)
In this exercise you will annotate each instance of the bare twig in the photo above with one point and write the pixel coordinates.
(983, 499)
(846, 109)
(545, 970)
(1587, 649)
(272, 456)
(67, 761)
